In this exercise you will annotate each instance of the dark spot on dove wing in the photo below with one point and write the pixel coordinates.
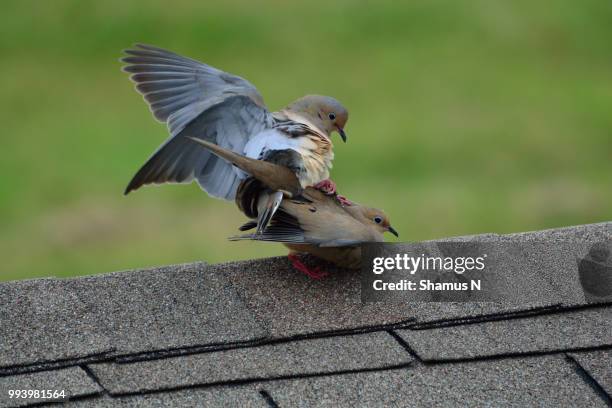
(294, 129)
(312, 209)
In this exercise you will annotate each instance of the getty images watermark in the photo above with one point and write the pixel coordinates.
(412, 264)
(538, 272)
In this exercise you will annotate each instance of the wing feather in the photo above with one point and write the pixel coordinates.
(200, 87)
(229, 124)
(196, 100)
(199, 101)
(286, 228)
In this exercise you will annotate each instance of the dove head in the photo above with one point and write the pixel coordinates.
(324, 111)
(377, 219)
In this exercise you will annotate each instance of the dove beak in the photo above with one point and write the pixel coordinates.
(342, 134)
(393, 231)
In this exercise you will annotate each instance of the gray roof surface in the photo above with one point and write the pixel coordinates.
(73, 380)
(256, 333)
(303, 357)
(523, 382)
(598, 365)
(567, 330)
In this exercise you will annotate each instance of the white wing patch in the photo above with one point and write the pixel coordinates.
(272, 139)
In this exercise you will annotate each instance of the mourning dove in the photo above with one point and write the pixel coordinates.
(197, 100)
(307, 220)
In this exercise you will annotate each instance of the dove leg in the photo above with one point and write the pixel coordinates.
(329, 187)
(343, 200)
(326, 186)
(313, 273)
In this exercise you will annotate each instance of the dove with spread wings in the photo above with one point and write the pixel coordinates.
(196, 100)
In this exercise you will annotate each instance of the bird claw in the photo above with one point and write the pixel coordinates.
(313, 273)
(343, 200)
(326, 186)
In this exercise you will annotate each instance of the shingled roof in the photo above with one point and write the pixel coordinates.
(256, 333)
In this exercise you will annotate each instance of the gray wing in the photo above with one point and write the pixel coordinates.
(283, 228)
(199, 101)
(178, 89)
(286, 228)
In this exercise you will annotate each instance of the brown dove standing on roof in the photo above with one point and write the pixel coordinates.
(307, 220)
(197, 100)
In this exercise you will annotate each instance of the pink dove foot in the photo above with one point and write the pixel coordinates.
(313, 273)
(326, 186)
(343, 200)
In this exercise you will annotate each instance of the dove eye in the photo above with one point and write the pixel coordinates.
(378, 219)
(332, 116)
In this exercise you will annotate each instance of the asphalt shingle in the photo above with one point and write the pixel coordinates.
(563, 331)
(273, 289)
(545, 281)
(546, 381)
(43, 320)
(289, 303)
(127, 312)
(74, 381)
(588, 232)
(599, 366)
(559, 255)
(222, 397)
(169, 307)
(510, 280)
(323, 355)
(248, 333)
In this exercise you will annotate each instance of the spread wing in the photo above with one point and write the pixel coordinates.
(200, 101)
(178, 89)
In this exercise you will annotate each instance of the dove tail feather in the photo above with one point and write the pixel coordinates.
(274, 201)
(283, 228)
(278, 178)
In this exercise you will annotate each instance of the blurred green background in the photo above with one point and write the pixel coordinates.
(466, 117)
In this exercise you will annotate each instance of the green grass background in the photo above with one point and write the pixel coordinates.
(466, 117)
